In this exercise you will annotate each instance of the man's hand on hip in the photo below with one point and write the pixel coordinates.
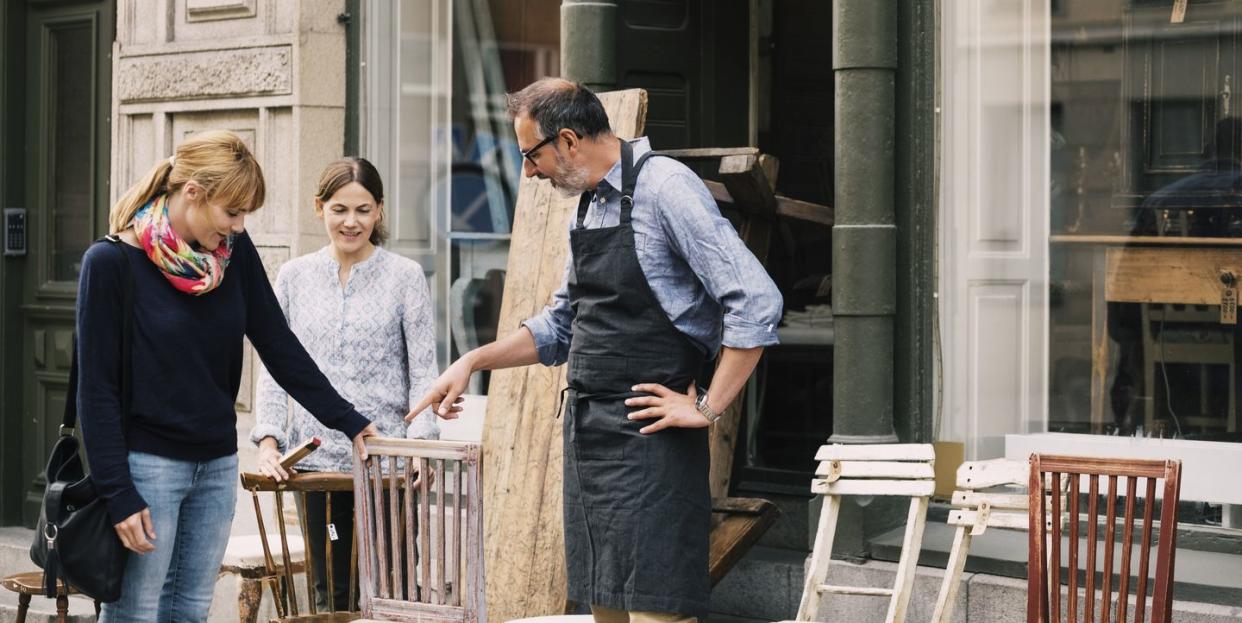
(672, 409)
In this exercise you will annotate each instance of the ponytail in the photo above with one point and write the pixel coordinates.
(217, 160)
(154, 183)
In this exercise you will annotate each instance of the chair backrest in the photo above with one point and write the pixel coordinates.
(989, 494)
(1044, 574)
(905, 470)
(419, 527)
(296, 550)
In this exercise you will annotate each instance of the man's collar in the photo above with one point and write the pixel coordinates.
(612, 180)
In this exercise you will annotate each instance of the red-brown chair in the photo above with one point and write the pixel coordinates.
(1044, 592)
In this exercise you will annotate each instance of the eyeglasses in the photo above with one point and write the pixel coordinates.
(529, 154)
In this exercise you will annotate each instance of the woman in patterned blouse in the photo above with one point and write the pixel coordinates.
(364, 314)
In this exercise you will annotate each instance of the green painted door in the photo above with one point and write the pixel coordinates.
(67, 90)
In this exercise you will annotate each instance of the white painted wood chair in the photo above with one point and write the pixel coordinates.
(904, 470)
(990, 494)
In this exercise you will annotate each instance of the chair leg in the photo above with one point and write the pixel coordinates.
(62, 609)
(916, 520)
(820, 555)
(249, 594)
(23, 604)
(947, 598)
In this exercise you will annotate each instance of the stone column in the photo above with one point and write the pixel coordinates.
(589, 43)
(864, 248)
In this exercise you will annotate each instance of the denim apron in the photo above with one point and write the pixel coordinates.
(637, 507)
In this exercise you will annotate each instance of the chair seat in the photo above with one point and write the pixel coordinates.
(245, 553)
(31, 583)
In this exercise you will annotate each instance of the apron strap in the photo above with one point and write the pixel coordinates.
(629, 180)
(583, 202)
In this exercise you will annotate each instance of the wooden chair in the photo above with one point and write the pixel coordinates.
(419, 527)
(990, 494)
(29, 584)
(905, 470)
(277, 571)
(1044, 575)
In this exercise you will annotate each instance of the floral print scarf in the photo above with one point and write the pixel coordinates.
(189, 270)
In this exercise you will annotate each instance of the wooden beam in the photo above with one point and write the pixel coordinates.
(786, 207)
(748, 183)
(704, 153)
(740, 529)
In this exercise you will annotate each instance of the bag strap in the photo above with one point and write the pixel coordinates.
(70, 419)
(52, 505)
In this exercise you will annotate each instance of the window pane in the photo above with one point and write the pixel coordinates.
(1146, 220)
(499, 46)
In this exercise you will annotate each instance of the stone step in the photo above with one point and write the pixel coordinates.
(766, 584)
(15, 550)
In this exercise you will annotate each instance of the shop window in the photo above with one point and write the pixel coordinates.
(1145, 215)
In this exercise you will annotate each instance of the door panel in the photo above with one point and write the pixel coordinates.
(68, 109)
(691, 57)
(993, 251)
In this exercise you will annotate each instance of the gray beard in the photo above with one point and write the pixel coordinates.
(573, 182)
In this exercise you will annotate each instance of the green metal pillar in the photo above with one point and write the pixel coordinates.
(864, 238)
(589, 43)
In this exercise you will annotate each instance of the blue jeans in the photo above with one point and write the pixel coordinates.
(192, 511)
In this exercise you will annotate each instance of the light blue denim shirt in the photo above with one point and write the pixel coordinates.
(706, 280)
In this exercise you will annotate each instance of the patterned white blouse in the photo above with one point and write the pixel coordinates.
(374, 340)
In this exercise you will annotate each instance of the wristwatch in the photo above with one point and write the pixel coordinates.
(700, 403)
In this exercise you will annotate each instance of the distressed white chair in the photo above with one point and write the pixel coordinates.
(990, 494)
(419, 525)
(903, 470)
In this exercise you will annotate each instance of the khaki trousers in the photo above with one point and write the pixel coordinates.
(610, 615)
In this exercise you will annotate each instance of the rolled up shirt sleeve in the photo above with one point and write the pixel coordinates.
(730, 273)
(553, 327)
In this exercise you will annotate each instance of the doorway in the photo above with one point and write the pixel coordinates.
(56, 112)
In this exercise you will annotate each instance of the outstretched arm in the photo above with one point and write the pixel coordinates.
(515, 349)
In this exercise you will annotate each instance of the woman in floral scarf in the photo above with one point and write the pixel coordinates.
(163, 450)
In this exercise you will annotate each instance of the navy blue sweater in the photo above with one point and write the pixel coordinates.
(187, 365)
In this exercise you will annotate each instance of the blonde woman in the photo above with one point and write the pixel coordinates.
(365, 316)
(167, 467)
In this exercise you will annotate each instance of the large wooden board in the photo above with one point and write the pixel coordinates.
(523, 533)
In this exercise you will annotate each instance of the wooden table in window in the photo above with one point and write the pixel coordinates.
(1154, 270)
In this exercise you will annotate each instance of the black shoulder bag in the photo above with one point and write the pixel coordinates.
(75, 541)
